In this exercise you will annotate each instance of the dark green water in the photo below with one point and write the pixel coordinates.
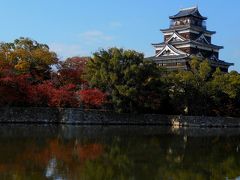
(32, 152)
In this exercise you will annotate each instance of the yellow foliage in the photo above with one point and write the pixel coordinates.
(42, 58)
(22, 65)
(27, 55)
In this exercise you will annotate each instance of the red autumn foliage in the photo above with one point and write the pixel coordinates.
(71, 70)
(39, 95)
(19, 90)
(13, 89)
(46, 94)
(6, 69)
(92, 97)
(61, 91)
(64, 97)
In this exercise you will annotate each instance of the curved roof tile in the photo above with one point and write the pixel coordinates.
(193, 11)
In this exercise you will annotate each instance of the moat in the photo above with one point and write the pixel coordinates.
(66, 152)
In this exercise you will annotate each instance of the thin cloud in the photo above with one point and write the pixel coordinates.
(88, 42)
(236, 53)
(68, 50)
(115, 24)
(95, 36)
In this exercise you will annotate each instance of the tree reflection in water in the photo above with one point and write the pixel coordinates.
(68, 152)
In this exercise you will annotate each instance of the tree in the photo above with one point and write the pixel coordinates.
(26, 56)
(92, 98)
(134, 84)
(46, 94)
(225, 88)
(189, 90)
(13, 89)
(23, 63)
(71, 71)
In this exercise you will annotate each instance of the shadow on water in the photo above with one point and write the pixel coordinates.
(117, 152)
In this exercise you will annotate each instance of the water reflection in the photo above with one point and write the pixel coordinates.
(126, 152)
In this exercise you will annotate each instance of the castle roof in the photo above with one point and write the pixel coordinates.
(192, 11)
(187, 27)
(188, 42)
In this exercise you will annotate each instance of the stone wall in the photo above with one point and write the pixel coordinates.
(79, 116)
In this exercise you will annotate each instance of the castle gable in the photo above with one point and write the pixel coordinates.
(175, 37)
(169, 50)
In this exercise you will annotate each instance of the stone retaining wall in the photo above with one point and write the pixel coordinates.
(79, 116)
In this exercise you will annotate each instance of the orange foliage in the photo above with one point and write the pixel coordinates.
(46, 94)
(71, 70)
(90, 151)
(66, 153)
(18, 88)
(93, 97)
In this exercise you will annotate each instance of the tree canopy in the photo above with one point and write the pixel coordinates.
(113, 79)
(134, 84)
(27, 56)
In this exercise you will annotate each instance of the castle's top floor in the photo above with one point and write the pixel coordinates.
(188, 16)
(188, 12)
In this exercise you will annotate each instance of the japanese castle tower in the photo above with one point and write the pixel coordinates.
(187, 37)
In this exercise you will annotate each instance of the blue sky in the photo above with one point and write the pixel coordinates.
(81, 27)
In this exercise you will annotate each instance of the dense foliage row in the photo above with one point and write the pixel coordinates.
(115, 79)
(27, 78)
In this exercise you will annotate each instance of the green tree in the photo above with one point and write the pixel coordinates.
(225, 88)
(189, 90)
(134, 84)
